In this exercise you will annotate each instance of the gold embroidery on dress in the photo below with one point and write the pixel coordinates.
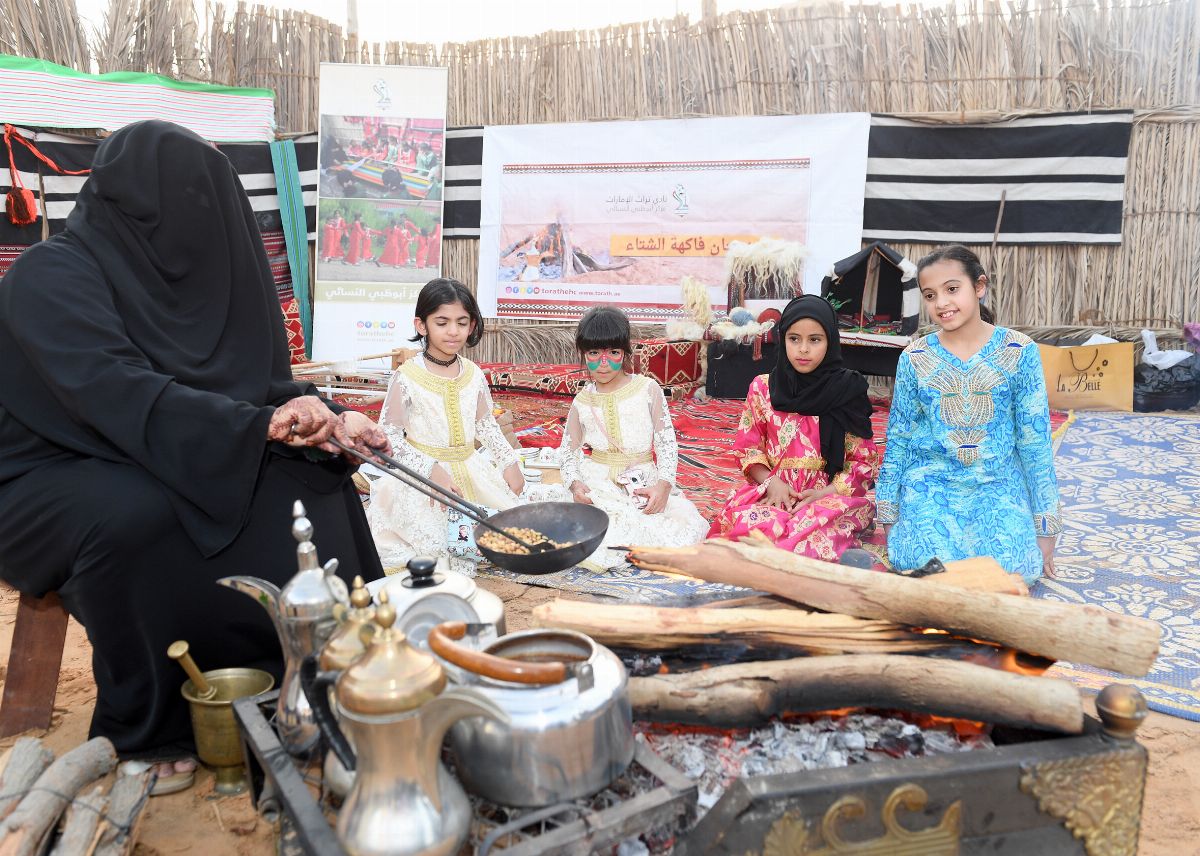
(967, 444)
(754, 456)
(807, 462)
(965, 399)
(450, 389)
(610, 405)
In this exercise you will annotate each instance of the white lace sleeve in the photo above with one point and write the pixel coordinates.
(666, 448)
(571, 448)
(393, 419)
(489, 433)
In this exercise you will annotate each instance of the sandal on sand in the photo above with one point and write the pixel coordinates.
(173, 775)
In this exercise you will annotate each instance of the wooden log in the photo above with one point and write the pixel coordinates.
(27, 760)
(655, 628)
(82, 826)
(1058, 631)
(747, 694)
(22, 833)
(126, 800)
(982, 573)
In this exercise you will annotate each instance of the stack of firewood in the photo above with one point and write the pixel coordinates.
(948, 644)
(46, 806)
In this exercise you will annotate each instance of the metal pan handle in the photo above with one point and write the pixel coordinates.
(441, 642)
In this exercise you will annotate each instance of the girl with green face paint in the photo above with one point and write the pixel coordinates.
(623, 419)
(613, 360)
(604, 346)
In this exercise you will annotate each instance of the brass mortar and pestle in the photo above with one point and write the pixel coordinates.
(210, 696)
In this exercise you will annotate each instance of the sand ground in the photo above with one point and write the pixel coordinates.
(196, 821)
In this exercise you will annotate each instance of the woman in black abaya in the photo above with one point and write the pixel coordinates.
(151, 435)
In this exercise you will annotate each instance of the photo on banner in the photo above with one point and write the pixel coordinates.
(576, 215)
(379, 213)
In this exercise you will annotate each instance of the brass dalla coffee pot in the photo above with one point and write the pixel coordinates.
(395, 709)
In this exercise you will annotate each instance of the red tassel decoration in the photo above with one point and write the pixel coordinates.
(21, 203)
(22, 206)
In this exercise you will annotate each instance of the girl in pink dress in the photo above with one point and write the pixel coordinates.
(805, 444)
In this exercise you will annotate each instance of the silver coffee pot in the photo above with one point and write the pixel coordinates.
(303, 615)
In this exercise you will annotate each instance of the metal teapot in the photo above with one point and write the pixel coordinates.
(569, 731)
(303, 615)
(392, 706)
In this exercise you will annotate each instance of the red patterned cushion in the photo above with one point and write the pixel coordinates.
(671, 363)
(370, 405)
(295, 330)
(543, 378)
(558, 379)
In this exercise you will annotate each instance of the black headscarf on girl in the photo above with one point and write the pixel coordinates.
(149, 331)
(833, 393)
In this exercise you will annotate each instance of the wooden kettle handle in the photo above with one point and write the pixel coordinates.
(489, 665)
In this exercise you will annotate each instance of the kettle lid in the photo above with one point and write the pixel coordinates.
(422, 578)
(350, 640)
(393, 676)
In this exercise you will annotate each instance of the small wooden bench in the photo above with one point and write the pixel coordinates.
(34, 661)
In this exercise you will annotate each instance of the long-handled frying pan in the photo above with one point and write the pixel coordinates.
(580, 528)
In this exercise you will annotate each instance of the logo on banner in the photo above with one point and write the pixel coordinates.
(680, 196)
(378, 325)
(384, 92)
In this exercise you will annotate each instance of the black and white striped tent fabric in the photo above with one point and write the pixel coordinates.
(251, 160)
(464, 181)
(1062, 177)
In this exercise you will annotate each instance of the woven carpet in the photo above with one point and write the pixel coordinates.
(1130, 490)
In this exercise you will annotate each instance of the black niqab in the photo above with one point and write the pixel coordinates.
(165, 215)
(149, 332)
(836, 395)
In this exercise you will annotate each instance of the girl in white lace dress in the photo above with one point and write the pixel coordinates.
(437, 406)
(630, 474)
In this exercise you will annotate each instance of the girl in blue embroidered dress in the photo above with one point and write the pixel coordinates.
(969, 467)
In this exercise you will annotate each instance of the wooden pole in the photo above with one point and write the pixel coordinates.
(746, 694)
(1058, 631)
(654, 628)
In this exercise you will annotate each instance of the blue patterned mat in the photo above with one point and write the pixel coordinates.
(1130, 489)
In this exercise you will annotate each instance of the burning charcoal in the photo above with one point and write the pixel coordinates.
(692, 759)
(835, 758)
(978, 741)
(632, 847)
(902, 746)
(643, 665)
(852, 741)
